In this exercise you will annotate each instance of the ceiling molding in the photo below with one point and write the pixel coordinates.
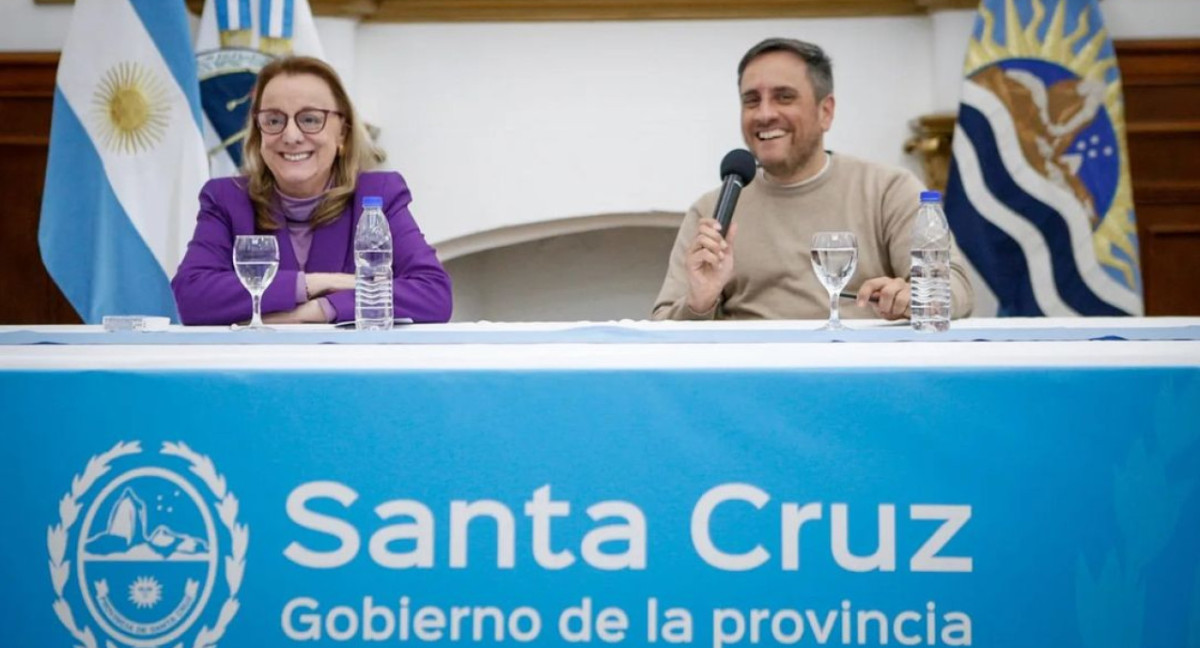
(345, 8)
(585, 10)
(588, 10)
(336, 8)
(947, 5)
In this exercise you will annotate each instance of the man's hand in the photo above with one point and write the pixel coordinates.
(709, 265)
(894, 297)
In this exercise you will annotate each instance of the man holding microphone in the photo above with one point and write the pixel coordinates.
(786, 92)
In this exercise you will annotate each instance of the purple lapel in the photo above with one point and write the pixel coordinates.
(242, 217)
(287, 255)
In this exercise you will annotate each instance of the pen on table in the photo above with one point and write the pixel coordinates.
(845, 294)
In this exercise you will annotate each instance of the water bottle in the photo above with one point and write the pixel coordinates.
(930, 265)
(372, 268)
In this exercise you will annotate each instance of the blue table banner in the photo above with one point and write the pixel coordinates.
(842, 507)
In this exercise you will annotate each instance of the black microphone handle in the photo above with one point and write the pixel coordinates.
(727, 201)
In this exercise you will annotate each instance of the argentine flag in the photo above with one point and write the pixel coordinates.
(1039, 194)
(126, 158)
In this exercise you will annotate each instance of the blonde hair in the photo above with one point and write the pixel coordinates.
(357, 152)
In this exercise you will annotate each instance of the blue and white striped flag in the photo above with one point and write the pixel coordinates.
(126, 158)
(1039, 194)
(236, 39)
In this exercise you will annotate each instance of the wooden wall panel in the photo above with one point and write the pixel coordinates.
(1170, 241)
(1162, 105)
(26, 100)
(1170, 155)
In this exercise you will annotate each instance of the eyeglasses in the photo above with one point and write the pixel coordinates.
(310, 120)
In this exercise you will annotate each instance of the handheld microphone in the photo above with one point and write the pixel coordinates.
(737, 170)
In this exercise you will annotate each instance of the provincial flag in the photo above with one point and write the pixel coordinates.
(1039, 193)
(126, 159)
(235, 40)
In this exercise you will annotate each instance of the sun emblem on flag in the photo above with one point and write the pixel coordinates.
(1056, 74)
(132, 109)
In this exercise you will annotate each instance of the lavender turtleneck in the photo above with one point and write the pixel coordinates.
(297, 216)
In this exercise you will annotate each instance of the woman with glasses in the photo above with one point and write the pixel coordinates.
(305, 171)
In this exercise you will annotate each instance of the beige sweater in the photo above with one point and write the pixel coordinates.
(773, 275)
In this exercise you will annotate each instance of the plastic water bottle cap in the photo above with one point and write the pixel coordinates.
(931, 196)
(372, 201)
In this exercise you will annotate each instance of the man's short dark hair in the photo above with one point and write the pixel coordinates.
(820, 67)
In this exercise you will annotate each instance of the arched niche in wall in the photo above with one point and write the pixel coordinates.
(594, 268)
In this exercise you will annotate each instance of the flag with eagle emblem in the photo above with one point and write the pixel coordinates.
(1039, 193)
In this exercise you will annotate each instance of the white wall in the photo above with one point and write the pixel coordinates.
(950, 31)
(338, 38)
(501, 124)
(1152, 18)
(26, 27)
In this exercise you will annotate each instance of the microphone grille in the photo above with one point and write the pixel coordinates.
(739, 162)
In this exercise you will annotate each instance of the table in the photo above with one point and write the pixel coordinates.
(630, 483)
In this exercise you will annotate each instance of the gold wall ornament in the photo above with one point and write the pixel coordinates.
(275, 45)
(231, 38)
(131, 108)
(931, 144)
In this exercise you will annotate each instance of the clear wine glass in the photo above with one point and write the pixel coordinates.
(834, 257)
(256, 260)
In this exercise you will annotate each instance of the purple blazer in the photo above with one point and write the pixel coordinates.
(207, 290)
